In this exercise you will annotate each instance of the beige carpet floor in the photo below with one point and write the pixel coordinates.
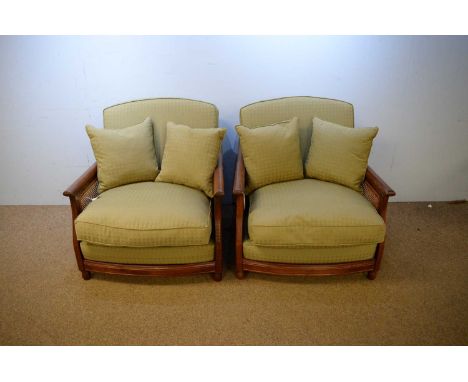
(420, 297)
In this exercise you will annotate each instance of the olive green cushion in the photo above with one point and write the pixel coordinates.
(310, 254)
(312, 212)
(146, 214)
(190, 156)
(196, 114)
(124, 156)
(339, 154)
(271, 153)
(305, 109)
(149, 255)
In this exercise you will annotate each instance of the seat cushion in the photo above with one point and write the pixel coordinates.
(147, 214)
(312, 212)
(149, 255)
(309, 254)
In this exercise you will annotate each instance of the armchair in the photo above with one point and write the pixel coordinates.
(165, 250)
(296, 257)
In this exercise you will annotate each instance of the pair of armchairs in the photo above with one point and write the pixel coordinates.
(161, 229)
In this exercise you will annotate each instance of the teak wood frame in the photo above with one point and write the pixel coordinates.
(375, 190)
(81, 193)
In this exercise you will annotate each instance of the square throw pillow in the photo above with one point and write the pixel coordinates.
(190, 156)
(125, 155)
(271, 153)
(339, 154)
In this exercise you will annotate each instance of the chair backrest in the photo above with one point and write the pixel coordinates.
(197, 114)
(305, 108)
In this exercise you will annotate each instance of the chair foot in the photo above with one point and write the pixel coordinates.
(217, 276)
(372, 275)
(240, 275)
(86, 275)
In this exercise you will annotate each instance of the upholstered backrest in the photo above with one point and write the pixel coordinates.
(189, 112)
(305, 108)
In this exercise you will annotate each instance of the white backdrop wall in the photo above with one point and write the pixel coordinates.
(414, 88)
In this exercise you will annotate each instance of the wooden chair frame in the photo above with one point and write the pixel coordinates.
(375, 190)
(84, 189)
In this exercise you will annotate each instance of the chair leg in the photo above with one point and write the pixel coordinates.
(239, 256)
(378, 260)
(86, 275)
(240, 274)
(239, 249)
(218, 207)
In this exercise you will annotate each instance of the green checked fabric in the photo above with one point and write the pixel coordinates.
(312, 212)
(304, 108)
(193, 113)
(124, 156)
(271, 153)
(308, 255)
(190, 156)
(149, 255)
(339, 154)
(147, 214)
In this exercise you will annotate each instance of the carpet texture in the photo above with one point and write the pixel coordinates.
(420, 296)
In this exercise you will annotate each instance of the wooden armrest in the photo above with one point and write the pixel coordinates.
(239, 177)
(83, 190)
(218, 178)
(89, 176)
(377, 191)
(378, 183)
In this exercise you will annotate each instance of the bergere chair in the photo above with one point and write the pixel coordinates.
(285, 211)
(147, 211)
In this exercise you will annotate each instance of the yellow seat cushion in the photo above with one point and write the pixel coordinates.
(312, 212)
(146, 214)
(124, 155)
(339, 154)
(271, 153)
(149, 255)
(309, 254)
(190, 156)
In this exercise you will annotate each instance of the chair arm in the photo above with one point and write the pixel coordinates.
(218, 178)
(377, 191)
(378, 183)
(239, 177)
(83, 190)
(77, 186)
